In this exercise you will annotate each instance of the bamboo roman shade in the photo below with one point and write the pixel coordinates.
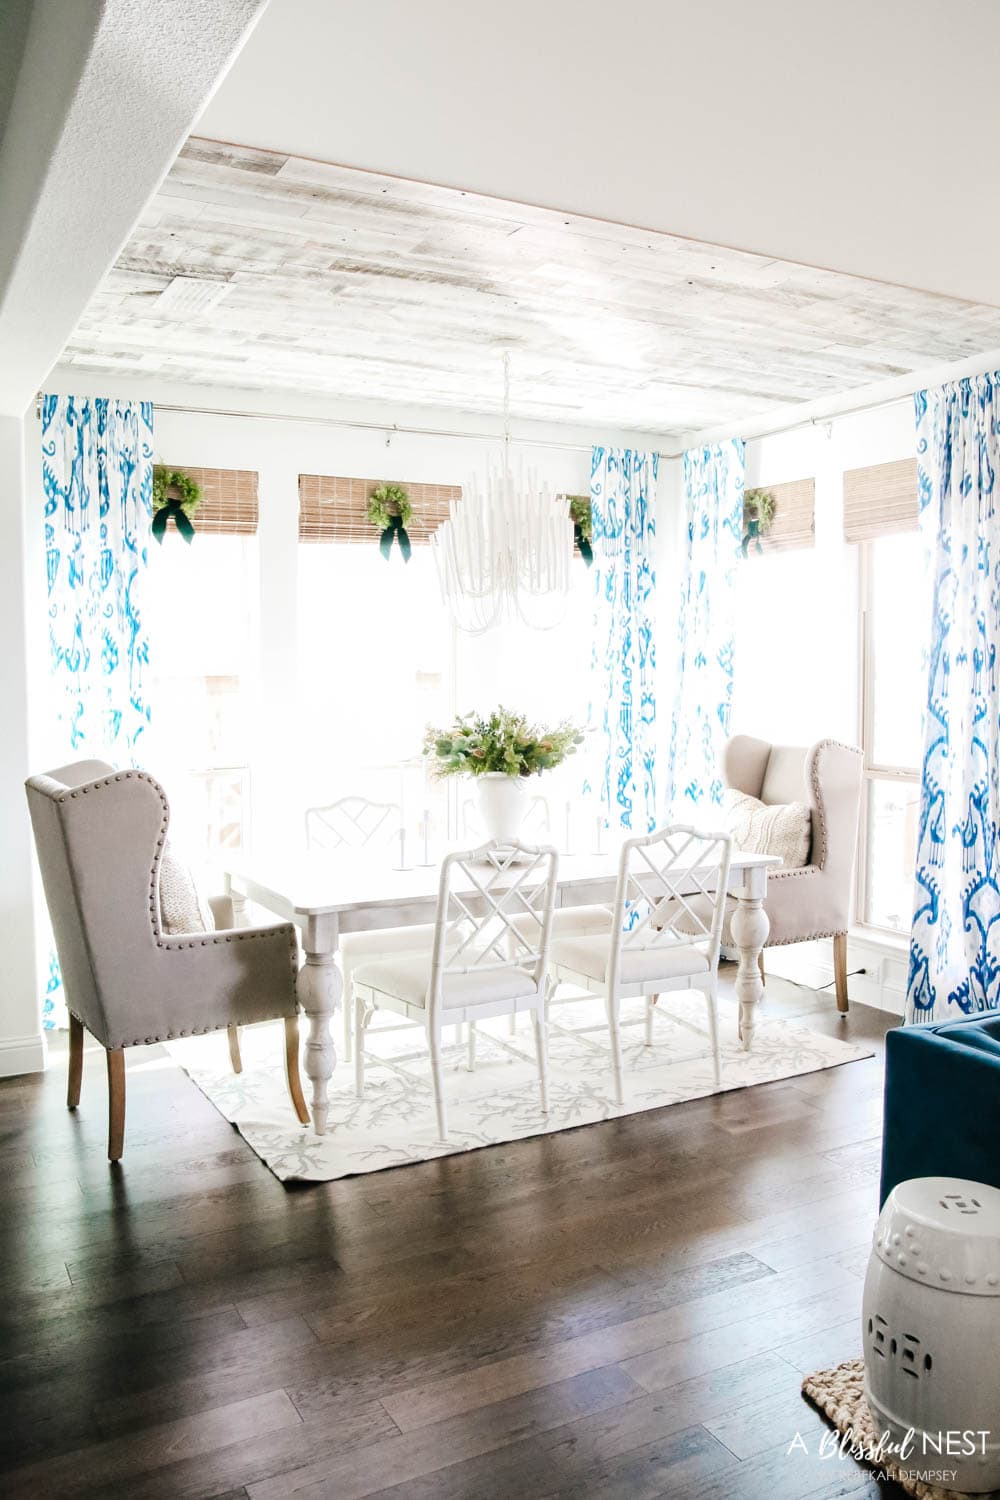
(880, 500)
(229, 505)
(794, 523)
(332, 509)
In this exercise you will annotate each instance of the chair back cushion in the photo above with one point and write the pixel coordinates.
(182, 906)
(782, 828)
(785, 777)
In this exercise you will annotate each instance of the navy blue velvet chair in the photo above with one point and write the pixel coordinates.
(942, 1101)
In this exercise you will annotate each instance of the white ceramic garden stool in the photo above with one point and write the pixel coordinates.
(931, 1327)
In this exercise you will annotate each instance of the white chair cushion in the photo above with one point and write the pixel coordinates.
(783, 828)
(407, 976)
(589, 953)
(357, 945)
(182, 907)
(566, 920)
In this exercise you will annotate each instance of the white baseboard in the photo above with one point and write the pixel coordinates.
(882, 985)
(22, 1054)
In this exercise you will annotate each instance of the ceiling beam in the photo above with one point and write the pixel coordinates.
(104, 95)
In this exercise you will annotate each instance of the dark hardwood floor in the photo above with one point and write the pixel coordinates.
(621, 1310)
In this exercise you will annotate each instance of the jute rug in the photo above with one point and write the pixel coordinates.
(395, 1124)
(839, 1395)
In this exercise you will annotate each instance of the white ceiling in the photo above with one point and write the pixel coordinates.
(858, 135)
(253, 269)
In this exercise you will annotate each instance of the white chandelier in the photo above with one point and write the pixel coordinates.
(507, 548)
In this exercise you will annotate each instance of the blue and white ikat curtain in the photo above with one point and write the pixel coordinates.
(622, 497)
(97, 473)
(955, 940)
(713, 493)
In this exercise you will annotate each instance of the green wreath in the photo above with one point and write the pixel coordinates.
(176, 497)
(758, 514)
(389, 509)
(582, 516)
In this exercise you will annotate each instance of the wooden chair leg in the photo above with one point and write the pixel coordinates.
(292, 1069)
(840, 971)
(116, 1103)
(235, 1056)
(75, 1062)
(760, 965)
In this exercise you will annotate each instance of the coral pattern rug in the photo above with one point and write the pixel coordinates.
(395, 1124)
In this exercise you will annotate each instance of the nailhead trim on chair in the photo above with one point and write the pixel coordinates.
(167, 943)
(818, 799)
(810, 937)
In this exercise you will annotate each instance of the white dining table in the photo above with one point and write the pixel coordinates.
(327, 894)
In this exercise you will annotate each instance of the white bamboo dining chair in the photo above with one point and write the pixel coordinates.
(353, 823)
(638, 950)
(482, 963)
(356, 823)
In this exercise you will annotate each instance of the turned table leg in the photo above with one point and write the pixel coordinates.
(320, 987)
(750, 927)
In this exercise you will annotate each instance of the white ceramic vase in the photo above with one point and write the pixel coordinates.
(503, 802)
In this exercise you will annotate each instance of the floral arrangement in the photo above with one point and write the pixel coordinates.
(504, 742)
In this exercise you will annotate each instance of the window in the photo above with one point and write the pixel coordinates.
(894, 626)
(202, 602)
(379, 660)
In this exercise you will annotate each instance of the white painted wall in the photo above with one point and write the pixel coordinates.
(105, 94)
(21, 1045)
(847, 135)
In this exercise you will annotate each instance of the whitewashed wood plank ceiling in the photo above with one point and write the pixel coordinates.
(326, 280)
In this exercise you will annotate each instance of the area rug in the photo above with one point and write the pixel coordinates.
(839, 1394)
(395, 1124)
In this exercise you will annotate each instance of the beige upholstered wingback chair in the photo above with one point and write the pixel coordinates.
(100, 834)
(814, 901)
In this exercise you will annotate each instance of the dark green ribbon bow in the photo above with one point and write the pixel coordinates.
(395, 529)
(751, 534)
(583, 546)
(172, 511)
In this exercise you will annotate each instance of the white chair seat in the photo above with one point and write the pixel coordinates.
(567, 919)
(357, 945)
(589, 954)
(407, 977)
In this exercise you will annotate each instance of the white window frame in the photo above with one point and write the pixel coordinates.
(873, 770)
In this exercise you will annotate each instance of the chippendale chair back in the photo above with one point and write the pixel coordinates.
(352, 823)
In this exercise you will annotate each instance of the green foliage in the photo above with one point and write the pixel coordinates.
(165, 480)
(758, 506)
(504, 742)
(580, 514)
(387, 501)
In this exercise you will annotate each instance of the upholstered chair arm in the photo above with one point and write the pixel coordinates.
(203, 981)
